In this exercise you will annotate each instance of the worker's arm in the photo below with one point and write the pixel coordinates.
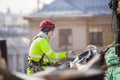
(45, 47)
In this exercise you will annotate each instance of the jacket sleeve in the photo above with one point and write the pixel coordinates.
(45, 47)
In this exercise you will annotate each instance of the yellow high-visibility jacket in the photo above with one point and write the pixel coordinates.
(41, 46)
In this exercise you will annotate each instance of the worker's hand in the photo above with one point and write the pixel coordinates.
(70, 54)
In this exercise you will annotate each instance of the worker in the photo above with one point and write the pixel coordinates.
(40, 51)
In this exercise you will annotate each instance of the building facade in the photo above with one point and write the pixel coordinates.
(79, 23)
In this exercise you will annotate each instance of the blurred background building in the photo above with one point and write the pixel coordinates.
(15, 30)
(79, 23)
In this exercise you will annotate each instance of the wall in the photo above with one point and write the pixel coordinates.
(79, 26)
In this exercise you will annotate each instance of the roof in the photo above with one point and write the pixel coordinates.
(71, 8)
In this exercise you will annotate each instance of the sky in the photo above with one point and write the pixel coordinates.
(21, 6)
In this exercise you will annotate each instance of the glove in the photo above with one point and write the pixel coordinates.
(70, 54)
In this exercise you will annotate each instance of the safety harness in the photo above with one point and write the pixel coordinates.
(35, 66)
(39, 66)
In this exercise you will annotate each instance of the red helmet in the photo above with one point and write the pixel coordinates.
(46, 24)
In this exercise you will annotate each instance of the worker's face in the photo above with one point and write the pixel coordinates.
(50, 33)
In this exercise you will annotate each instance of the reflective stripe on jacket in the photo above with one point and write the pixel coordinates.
(41, 46)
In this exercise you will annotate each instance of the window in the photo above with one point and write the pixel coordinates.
(96, 38)
(65, 38)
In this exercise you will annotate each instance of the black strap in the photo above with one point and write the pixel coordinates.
(41, 59)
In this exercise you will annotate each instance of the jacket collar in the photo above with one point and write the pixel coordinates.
(43, 35)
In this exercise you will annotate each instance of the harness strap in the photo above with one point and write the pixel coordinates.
(41, 59)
